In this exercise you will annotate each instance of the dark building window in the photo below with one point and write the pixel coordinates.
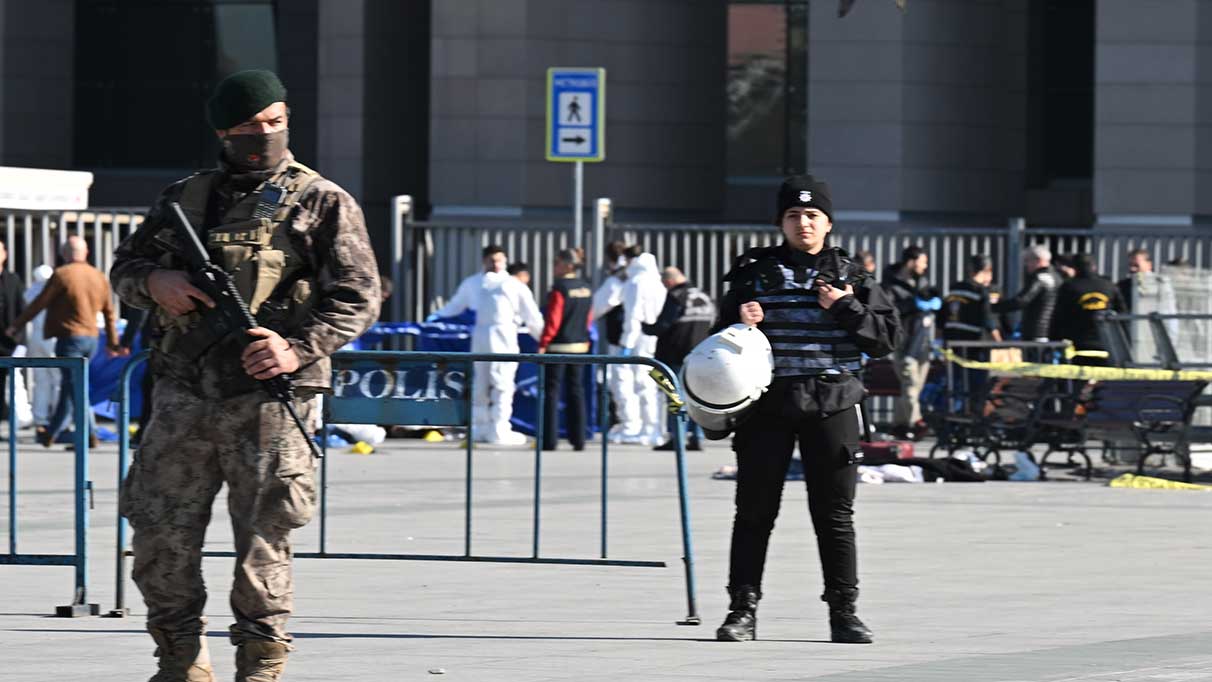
(767, 89)
(1067, 75)
(144, 69)
(245, 37)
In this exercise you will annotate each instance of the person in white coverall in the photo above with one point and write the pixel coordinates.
(45, 379)
(499, 301)
(607, 306)
(643, 297)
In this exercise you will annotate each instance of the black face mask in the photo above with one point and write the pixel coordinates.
(260, 151)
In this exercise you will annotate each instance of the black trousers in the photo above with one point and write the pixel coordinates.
(572, 379)
(763, 446)
(4, 378)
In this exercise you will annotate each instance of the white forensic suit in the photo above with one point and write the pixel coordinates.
(640, 418)
(45, 379)
(608, 297)
(464, 297)
(501, 303)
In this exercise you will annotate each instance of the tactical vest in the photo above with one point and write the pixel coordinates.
(252, 243)
(573, 334)
(965, 311)
(804, 338)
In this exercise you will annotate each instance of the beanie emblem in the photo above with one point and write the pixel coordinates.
(805, 197)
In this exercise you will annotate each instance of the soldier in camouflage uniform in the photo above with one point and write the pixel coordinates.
(297, 248)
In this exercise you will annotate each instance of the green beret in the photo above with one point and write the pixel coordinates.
(243, 95)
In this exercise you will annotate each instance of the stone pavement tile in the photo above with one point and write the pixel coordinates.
(1001, 581)
(1161, 659)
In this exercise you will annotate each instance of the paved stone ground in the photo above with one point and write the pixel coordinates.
(1056, 581)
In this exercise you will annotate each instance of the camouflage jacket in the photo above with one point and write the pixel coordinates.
(326, 226)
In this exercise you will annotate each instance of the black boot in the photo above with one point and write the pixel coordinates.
(741, 623)
(844, 626)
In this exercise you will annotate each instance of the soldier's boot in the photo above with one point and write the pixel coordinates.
(741, 622)
(182, 658)
(260, 660)
(844, 626)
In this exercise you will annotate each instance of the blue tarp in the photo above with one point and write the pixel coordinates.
(454, 334)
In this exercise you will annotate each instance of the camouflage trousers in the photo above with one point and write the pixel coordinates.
(190, 448)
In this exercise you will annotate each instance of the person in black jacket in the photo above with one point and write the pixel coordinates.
(821, 312)
(1063, 263)
(1139, 263)
(566, 331)
(12, 304)
(916, 302)
(1037, 298)
(685, 320)
(1078, 303)
(968, 316)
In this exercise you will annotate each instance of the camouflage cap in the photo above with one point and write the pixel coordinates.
(243, 95)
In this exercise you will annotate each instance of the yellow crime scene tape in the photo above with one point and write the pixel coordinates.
(666, 386)
(1133, 481)
(1035, 369)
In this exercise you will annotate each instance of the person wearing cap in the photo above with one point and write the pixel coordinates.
(821, 312)
(298, 251)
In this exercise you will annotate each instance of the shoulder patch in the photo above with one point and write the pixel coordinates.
(297, 167)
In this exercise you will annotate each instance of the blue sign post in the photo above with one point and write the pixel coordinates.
(576, 114)
(576, 126)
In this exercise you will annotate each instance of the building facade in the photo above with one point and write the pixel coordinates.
(1068, 112)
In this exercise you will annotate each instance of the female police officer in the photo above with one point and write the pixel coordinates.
(820, 312)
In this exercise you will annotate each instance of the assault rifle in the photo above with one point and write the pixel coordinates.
(230, 314)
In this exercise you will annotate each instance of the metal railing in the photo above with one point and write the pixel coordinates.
(1110, 248)
(33, 237)
(361, 411)
(82, 487)
(430, 258)
(1121, 332)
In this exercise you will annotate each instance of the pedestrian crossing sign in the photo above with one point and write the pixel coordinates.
(576, 114)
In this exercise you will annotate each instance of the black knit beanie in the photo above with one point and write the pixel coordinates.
(806, 191)
(243, 95)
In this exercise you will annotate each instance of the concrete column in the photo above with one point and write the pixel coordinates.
(922, 112)
(665, 76)
(856, 72)
(298, 55)
(340, 87)
(1147, 111)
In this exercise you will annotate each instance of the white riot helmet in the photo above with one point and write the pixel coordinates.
(724, 376)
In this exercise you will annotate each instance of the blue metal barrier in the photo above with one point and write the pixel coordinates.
(390, 402)
(120, 609)
(83, 488)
